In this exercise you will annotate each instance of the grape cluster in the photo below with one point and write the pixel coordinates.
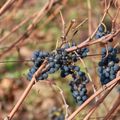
(56, 114)
(63, 61)
(78, 82)
(102, 32)
(108, 66)
(78, 85)
(58, 59)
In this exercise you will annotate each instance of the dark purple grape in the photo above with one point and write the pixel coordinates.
(51, 64)
(45, 75)
(77, 68)
(65, 68)
(84, 90)
(81, 93)
(75, 93)
(84, 98)
(101, 28)
(52, 70)
(50, 59)
(116, 67)
(101, 32)
(56, 114)
(80, 102)
(78, 98)
(108, 66)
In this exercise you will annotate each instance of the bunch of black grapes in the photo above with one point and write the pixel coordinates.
(56, 114)
(108, 65)
(78, 82)
(78, 85)
(102, 32)
(61, 60)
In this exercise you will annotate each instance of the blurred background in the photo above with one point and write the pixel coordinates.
(15, 59)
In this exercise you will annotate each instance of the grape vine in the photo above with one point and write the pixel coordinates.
(65, 62)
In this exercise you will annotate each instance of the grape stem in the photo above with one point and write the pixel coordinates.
(65, 104)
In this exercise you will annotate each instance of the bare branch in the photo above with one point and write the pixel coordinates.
(112, 110)
(92, 97)
(25, 93)
(6, 6)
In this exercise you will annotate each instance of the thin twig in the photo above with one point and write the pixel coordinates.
(76, 29)
(17, 27)
(55, 12)
(29, 60)
(65, 103)
(89, 17)
(67, 31)
(64, 37)
(69, 27)
(63, 23)
(115, 19)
